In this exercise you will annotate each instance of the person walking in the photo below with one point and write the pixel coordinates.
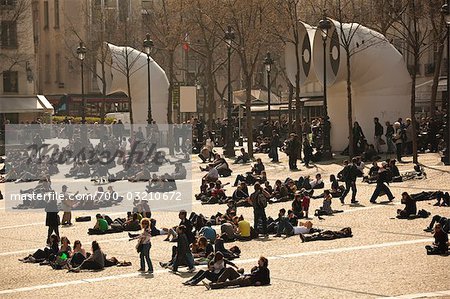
(378, 134)
(144, 245)
(384, 177)
(349, 174)
(259, 202)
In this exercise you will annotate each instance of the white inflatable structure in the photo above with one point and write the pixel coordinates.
(380, 79)
(116, 81)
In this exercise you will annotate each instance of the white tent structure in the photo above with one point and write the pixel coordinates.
(380, 79)
(116, 81)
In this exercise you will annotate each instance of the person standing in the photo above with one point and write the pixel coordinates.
(144, 244)
(259, 203)
(398, 139)
(389, 135)
(378, 134)
(384, 177)
(307, 150)
(274, 143)
(52, 219)
(349, 174)
(292, 149)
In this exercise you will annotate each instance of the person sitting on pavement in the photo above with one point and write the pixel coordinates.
(215, 268)
(317, 183)
(259, 276)
(244, 157)
(410, 207)
(96, 261)
(100, 227)
(440, 244)
(325, 209)
(253, 175)
(208, 232)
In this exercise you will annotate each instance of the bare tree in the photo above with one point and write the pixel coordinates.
(439, 36)
(414, 28)
(15, 51)
(249, 20)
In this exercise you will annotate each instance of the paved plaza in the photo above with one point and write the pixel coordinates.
(384, 258)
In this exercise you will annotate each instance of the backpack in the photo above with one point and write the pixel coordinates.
(261, 200)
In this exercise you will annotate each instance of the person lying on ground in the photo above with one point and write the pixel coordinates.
(259, 276)
(41, 255)
(445, 223)
(440, 244)
(328, 235)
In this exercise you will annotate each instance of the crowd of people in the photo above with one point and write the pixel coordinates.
(200, 240)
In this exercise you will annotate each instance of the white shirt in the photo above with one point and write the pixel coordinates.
(300, 230)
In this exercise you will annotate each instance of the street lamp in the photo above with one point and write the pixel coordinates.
(229, 149)
(445, 10)
(148, 46)
(268, 61)
(324, 27)
(81, 52)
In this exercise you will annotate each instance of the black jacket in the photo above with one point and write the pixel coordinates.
(260, 274)
(378, 129)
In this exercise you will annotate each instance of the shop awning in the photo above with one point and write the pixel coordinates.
(25, 104)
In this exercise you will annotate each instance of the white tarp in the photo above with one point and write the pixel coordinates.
(116, 81)
(380, 80)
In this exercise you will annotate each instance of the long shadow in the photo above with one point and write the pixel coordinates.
(329, 287)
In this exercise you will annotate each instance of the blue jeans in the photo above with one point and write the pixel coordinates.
(260, 214)
(284, 226)
(145, 256)
(381, 187)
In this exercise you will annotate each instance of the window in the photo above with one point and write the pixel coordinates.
(45, 14)
(56, 9)
(110, 3)
(123, 10)
(48, 66)
(8, 34)
(10, 3)
(10, 81)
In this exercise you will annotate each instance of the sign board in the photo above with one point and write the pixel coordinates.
(188, 99)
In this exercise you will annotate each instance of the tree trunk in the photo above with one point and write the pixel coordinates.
(248, 113)
(298, 103)
(437, 72)
(413, 107)
(171, 76)
(210, 92)
(291, 97)
(129, 91)
(102, 107)
(351, 150)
